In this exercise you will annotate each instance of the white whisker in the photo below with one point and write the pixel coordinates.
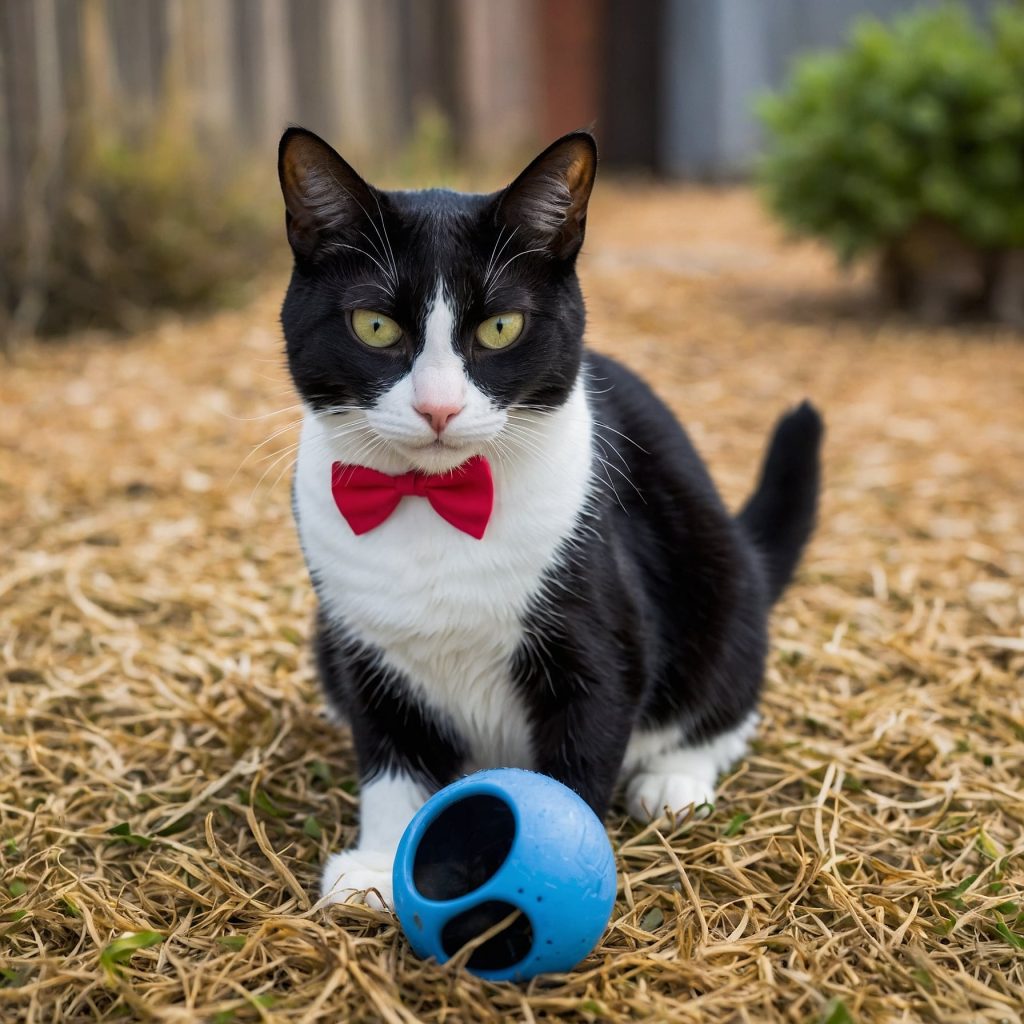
(495, 258)
(625, 437)
(356, 248)
(277, 433)
(510, 260)
(386, 240)
(265, 415)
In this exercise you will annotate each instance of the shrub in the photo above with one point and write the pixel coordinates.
(909, 143)
(131, 229)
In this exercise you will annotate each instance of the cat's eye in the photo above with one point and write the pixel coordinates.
(500, 331)
(375, 329)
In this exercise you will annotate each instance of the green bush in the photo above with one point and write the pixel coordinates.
(132, 229)
(920, 121)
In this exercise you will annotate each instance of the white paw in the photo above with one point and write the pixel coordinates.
(649, 793)
(353, 874)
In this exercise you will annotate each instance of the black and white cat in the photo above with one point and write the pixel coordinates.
(610, 622)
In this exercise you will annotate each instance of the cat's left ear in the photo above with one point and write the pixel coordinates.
(547, 203)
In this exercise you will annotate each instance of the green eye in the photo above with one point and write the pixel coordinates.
(500, 331)
(375, 329)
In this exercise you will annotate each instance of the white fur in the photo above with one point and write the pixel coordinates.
(438, 377)
(667, 772)
(444, 609)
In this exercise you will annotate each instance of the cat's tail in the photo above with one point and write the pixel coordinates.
(780, 514)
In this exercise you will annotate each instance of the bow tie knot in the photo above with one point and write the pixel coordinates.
(463, 497)
(411, 484)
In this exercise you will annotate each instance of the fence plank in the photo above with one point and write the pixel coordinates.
(498, 76)
(569, 41)
(670, 81)
(19, 31)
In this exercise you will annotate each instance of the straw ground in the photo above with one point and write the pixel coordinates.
(170, 784)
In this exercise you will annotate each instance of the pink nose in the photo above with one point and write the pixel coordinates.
(439, 416)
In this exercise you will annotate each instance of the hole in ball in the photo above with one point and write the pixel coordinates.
(499, 952)
(463, 847)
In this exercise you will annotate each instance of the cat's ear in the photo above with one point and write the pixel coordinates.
(547, 203)
(323, 197)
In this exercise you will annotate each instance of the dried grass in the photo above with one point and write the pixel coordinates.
(167, 767)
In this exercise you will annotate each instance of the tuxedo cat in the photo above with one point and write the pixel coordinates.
(519, 558)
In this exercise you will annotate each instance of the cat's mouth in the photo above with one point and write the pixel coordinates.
(437, 445)
(437, 456)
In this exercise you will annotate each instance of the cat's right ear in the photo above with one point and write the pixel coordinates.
(324, 198)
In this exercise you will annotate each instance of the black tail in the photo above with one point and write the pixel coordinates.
(779, 516)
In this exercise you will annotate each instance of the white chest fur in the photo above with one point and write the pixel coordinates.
(444, 609)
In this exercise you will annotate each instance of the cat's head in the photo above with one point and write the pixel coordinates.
(424, 320)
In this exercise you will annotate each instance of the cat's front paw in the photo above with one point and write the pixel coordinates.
(359, 874)
(650, 793)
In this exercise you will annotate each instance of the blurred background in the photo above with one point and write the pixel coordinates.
(137, 136)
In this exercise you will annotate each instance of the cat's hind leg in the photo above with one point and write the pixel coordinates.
(666, 773)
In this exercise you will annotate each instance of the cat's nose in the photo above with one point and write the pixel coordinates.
(438, 416)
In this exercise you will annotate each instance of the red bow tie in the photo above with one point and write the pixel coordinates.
(464, 497)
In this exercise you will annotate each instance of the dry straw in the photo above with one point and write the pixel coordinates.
(170, 785)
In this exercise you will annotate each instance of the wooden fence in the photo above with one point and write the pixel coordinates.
(668, 83)
(364, 72)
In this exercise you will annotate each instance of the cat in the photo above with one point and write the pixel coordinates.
(519, 558)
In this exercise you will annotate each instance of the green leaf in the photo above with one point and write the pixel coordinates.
(11, 978)
(654, 918)
(320, 771)
(736, 824)
(837, 1013)
(235, 942)
(987, 846)
(70, 906)
(293, 636)
(1011, 937)
(224, 1017)
(923, 978)
(179, 825)
(120, 950)
(17, 888)
(265, 804)
(123, 834)
(953, 895)
(312, 828)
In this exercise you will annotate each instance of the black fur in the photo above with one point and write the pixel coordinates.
(331, 367)
(390, 730)
(666, 603)
(658, 612)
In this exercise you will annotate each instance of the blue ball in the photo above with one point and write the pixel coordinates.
(491, 844)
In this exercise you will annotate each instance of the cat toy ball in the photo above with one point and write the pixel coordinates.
(500, 843)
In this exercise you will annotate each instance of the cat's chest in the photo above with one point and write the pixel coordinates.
(444, 609)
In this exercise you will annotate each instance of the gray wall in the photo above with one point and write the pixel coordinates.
(719, 55)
